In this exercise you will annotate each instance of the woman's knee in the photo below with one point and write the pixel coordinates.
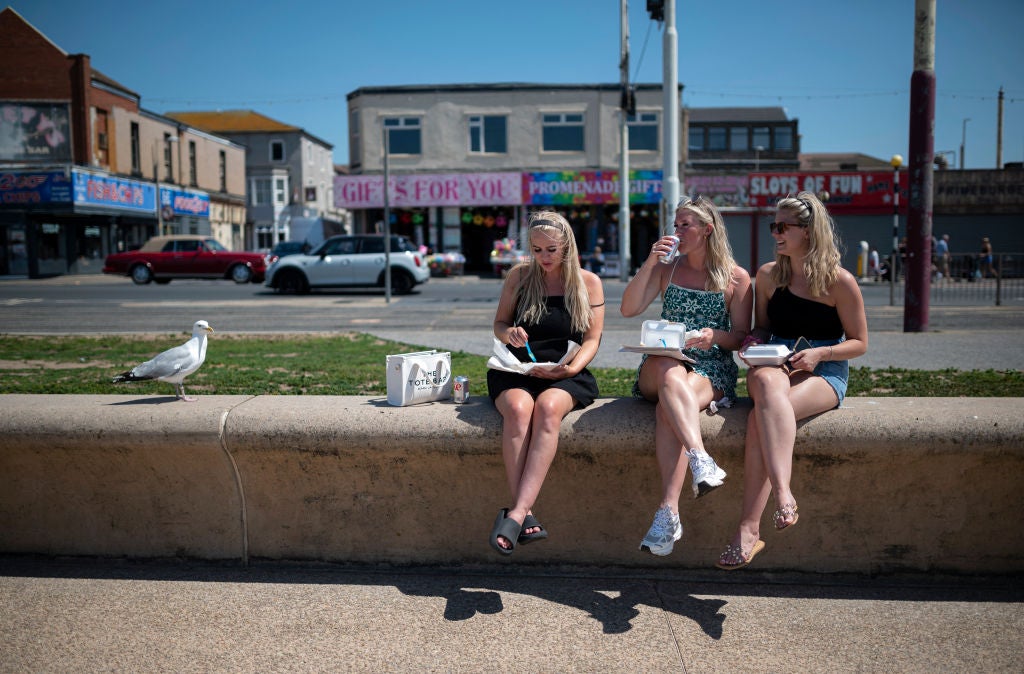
(762, 381)
(516, 406)
(551, 409)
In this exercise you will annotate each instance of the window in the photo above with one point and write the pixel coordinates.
(136, 156)
(738, 139)
(762, 137)
(696, 139)
(784, 138)
(372, 245)
(277, 150)
(222, 169)
(310, 195)
(183, 246)
(260, 192)
(345, 246)
(192, 178)
(403, 135)
(716, 138)
(643, 131)
(562, 132)
(487, 134)
(280, 191)
(168, 158)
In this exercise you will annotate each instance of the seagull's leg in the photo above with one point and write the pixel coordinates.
(181, 394)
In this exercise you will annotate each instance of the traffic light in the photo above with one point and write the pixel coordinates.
(627, 100)
(657, 9)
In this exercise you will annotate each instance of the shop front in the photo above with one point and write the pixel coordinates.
(481, 217)
(66, 220)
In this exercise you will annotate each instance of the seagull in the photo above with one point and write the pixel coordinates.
(175, 364)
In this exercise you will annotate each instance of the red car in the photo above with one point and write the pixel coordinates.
(164, 258)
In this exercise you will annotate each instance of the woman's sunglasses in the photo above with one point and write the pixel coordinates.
(780, 227)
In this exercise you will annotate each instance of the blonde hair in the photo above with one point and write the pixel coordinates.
(532, 296)
(821, 264)
(718, 261)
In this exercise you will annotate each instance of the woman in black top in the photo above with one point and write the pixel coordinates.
(544, 304)
(803, 293)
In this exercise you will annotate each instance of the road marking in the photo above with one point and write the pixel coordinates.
(15, 301)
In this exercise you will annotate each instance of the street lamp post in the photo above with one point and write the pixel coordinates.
(963, 142)
(896, 162)
(387, 212)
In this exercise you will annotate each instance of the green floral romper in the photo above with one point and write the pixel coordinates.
(698, 309)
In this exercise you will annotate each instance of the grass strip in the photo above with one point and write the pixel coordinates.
(353, 364)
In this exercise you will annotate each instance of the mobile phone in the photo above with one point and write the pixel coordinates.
(800, 345)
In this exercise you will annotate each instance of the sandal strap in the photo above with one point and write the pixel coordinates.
(786, 511)
(735, 555)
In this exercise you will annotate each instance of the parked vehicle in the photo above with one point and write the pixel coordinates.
(286, 248)
(165, 258)
(350, 261)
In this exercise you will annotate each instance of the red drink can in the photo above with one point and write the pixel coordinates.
(460, 389)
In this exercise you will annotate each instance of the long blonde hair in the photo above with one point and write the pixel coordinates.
(532, 299)
(821, 263)
(718, 261)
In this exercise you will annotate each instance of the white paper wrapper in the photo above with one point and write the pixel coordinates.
(505, 361)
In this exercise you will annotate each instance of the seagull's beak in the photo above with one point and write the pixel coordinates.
(209, 329)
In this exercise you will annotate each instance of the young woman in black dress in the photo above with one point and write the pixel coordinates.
(544, 304)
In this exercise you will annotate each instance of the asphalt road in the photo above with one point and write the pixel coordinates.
(456, 314)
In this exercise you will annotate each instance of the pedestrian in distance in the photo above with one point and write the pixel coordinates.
(706, 290)
(874, 265)
(942, 257)
(545, 302)
(597, 261)
(986, 261)
(803, 297)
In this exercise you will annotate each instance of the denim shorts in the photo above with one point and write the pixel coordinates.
(835, 372)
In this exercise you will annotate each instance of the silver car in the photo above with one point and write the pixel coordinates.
(350, 262)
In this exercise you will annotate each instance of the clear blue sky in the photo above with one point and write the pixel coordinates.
(842, 68)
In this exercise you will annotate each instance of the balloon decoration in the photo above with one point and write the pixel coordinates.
(485, 217)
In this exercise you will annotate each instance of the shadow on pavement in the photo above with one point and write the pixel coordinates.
(611, 597)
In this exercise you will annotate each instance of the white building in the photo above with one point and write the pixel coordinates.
(468, 162)
(289, 175)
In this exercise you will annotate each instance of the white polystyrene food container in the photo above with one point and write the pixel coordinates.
(766, 354)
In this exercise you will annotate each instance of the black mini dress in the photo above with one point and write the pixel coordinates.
(549, 340)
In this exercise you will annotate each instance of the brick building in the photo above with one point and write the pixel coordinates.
(85, 170)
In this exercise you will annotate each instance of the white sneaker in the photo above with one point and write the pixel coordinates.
(706, 473)
(664, 532)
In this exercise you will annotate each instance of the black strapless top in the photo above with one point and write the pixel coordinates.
(792, 316)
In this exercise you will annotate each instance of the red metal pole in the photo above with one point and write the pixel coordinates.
(922, 155)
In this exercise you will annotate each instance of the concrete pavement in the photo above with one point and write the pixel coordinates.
(86, 616)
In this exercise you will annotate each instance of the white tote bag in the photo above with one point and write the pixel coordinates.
(420, 377)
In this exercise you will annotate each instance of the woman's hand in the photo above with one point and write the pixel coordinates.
(749, 340)
(662, 247)
(555, 373)
(704, 342)
(808, 359)
(517, 336)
